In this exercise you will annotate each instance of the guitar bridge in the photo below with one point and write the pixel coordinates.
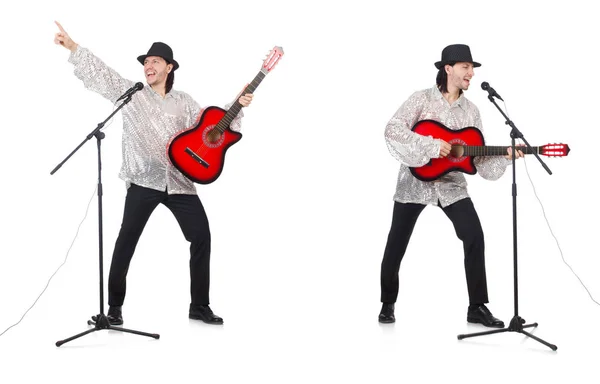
(194, 156)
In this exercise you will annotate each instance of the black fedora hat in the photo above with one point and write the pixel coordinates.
(456, 53)
(161, 50)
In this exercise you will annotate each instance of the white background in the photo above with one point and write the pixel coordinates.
(301, 212)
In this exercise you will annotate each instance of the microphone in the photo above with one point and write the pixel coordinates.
(137, 87)
(486, 87)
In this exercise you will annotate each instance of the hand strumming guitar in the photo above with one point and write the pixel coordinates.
(445, 148)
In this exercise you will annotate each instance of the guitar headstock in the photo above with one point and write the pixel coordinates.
(555, 150)
(272, 59)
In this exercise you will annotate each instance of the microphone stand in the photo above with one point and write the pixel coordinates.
(101, 319)
(516, 323)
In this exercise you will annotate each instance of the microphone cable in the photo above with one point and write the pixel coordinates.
(59, 267)
(552, 233)
(550, 227)
(68, 251)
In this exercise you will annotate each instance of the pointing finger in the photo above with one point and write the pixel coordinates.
(60, 27)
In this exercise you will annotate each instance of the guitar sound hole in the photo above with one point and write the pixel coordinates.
(457, 151)
(212, 137)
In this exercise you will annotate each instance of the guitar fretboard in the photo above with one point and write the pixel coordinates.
(236, 107)
(473, 150)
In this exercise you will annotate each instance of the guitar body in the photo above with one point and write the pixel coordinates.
(455, 161)
(199, 152)
(467, 143)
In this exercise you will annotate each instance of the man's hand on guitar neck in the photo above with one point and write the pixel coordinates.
(445, 149)
(509, 151)
(244, 99)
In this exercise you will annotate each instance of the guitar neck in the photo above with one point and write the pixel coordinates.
(237, 107)
(473, 150)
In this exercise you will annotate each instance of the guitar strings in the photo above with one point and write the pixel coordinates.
(229, 119)
(204, 149)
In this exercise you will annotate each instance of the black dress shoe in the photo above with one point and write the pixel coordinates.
(204, 313)
(114, 316)
(387, 313)
(480, 314)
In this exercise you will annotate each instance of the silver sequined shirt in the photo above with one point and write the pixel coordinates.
(414, 150)
(149, 123)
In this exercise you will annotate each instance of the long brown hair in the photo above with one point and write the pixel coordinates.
(170, 81)
(442, 78)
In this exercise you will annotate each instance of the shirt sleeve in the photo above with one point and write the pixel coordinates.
(405, 145)
(97, 76)
(193, 110)
(489, 167)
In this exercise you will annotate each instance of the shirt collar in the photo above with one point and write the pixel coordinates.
(167, 96)
(459, 102)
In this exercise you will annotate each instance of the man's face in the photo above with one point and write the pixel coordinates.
(156, 70)
(460, 75)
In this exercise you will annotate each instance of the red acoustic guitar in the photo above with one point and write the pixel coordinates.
(467, 143)
(199, 152)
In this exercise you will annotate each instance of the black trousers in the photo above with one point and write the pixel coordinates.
(468, 229)
(189, 212)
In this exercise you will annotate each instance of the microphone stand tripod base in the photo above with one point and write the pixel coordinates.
(102, 323)
(516, 325)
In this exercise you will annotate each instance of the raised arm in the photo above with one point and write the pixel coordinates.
(94, 73)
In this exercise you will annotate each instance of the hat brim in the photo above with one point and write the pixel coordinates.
(440, 64)
(143, 57)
